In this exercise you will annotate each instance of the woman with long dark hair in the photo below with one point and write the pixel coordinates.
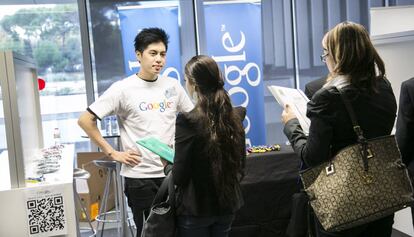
(209, 154)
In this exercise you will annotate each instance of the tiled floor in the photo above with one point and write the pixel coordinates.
(396, 233)
(110, 229)
(112, 232)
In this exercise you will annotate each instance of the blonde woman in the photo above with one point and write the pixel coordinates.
(356, 68)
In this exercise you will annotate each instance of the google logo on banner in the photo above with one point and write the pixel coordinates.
(162, 106)
(236, 84)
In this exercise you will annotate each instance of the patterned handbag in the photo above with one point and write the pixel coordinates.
(362, 183)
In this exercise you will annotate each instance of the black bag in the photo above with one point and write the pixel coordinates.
(299, 223)
(161, 220)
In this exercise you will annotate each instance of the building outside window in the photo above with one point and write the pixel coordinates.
(49, 33)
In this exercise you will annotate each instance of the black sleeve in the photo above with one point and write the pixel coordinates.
(93, 113)
(313, 86)
(308, 92)
(405, 122)
(184, 138)
(315, 148)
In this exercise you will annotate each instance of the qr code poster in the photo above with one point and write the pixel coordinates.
(46, 212)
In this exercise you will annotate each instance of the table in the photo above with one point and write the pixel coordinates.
(271, 179)
(47, 207)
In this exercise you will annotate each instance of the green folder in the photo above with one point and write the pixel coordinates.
(158, 147)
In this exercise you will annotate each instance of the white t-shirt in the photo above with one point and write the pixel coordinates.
(143, 109)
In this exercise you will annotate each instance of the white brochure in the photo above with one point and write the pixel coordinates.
(296, 99)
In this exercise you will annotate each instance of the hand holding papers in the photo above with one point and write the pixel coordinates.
(297, 101)
(158, 147)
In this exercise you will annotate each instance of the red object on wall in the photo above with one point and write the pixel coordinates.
(41, 83)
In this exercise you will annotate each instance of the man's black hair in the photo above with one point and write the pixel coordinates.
(148, 36)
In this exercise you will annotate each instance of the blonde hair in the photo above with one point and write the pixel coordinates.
(354, 55)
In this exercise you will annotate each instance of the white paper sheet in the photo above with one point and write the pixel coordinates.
(296, 99)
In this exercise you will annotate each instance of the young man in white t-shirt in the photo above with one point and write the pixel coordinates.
(146, 104)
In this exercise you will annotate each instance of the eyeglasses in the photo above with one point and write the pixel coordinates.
(323, 57)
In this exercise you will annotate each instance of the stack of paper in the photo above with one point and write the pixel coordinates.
(296, 99)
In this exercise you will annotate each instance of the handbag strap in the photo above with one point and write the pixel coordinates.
(167, 187)
(171, 190)
(357, 129)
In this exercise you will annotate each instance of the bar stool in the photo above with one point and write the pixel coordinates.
(81, 174)
(121, 216)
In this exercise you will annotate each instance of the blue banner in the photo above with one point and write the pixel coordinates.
(135, 19)
(234, 40)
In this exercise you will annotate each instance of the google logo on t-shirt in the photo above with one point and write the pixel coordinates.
(162, 106)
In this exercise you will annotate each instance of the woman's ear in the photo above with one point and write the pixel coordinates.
(194, 94)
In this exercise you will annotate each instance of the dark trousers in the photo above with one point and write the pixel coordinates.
(411, 173)
(212, 226)
(140, 194)
(378, 228)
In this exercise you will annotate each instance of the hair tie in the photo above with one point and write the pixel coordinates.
(220, 84)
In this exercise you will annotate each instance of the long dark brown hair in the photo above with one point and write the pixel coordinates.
(220, 125)
(354, 55)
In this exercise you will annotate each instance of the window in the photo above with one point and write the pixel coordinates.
(313, 20)
(49, 33)
(4, 155)
(113, 34)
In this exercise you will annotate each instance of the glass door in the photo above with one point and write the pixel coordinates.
(21, 123)
(4, 155)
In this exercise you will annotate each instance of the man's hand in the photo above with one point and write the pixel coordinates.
(164, 162)
(167, 166)
(131, 158)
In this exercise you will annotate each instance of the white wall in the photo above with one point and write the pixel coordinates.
(397, 51)
(392, 32)
(385, 20)
(399, 64)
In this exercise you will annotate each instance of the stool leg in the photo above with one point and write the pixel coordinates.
(122, 203)
(76, 210)
(117, 206)
(105, 200)
(131, 228)
(87, 215)
(130, 223)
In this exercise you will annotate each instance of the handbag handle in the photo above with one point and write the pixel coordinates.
(357, 129)
(171, 190)
(167, 187)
